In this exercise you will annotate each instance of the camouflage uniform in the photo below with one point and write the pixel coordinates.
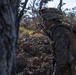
(61, 41)
(60, 37)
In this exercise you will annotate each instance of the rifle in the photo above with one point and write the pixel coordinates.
(54, 61)
(45, 31)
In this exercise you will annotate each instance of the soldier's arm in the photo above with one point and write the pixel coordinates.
(60, 37)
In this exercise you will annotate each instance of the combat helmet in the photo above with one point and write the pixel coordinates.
(51, 13)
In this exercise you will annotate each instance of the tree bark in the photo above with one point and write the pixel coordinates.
(8, 36)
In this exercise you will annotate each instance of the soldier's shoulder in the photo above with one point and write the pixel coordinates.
(60, 30)
(61, 27)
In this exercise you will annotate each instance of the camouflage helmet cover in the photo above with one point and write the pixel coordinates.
(51, 13)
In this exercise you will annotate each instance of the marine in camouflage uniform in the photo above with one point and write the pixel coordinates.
(52, 20)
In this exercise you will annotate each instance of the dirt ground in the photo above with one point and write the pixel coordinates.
(35, 56)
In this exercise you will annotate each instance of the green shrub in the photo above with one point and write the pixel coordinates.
(25, 32)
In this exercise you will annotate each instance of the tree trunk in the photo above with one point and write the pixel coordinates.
(8, 36)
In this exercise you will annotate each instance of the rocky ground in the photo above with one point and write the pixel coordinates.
(34, 56)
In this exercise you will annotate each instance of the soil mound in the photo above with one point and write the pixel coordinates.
(35, 56)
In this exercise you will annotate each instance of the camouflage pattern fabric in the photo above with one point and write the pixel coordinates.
(73, 67)
(51, 13)
(60, 36)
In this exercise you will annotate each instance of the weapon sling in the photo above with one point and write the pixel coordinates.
(54, 61)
